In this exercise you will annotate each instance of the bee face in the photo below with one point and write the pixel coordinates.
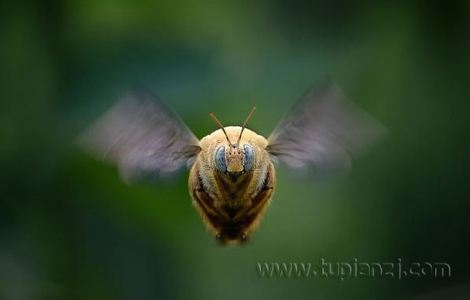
(234, 160)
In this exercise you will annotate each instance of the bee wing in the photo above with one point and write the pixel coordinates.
(323, 131)
(141, 136)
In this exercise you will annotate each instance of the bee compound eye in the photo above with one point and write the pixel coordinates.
(220, 162)
(249, 157)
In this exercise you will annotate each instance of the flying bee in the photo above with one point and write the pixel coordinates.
(232, 170)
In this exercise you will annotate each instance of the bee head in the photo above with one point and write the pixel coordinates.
(234, 159)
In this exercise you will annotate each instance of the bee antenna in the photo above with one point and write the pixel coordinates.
(212, 115)
(244, 124)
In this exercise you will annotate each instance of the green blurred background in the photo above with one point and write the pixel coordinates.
(70, 229)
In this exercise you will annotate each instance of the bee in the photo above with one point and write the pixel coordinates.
(232, 174)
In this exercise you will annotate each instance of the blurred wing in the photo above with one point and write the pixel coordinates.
(141, 137)
(322, 132)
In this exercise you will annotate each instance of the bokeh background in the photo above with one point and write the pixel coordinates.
(70, 229)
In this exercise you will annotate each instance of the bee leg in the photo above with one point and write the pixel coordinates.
(244, 238)
(220, 239)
